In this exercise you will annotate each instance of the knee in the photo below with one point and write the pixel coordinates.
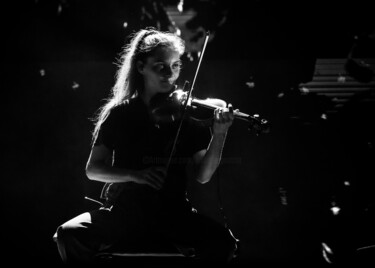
(230, 247)
(62, 235)
(67, 236)
(60, 238)
(222, 249)
(71, 247)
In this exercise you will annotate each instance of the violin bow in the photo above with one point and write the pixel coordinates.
(187, 100)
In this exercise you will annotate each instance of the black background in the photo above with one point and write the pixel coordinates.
(59, 65)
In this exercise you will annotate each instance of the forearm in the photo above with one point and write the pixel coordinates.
(105, 173)
(211, 160)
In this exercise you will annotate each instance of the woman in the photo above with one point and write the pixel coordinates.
(145, 183)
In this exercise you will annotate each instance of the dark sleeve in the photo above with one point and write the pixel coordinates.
(200, 137)
(108, 130)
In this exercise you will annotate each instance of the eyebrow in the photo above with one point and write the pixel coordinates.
(160, 61)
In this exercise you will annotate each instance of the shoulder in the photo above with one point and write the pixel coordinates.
(127, 111)
(122, 108)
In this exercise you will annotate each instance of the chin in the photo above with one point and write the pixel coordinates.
(167, 87)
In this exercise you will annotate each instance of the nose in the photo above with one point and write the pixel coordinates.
(167, 71)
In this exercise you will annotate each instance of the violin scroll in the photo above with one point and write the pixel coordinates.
(259, 125)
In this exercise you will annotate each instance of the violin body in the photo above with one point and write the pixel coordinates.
(169, 107)
(174, 105)
(164, 108)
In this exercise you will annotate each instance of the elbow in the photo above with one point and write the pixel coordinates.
(204, 175)
(203, 179)
(90, 172)
(200, 175)
(95, 170)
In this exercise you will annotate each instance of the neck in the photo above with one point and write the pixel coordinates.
(146, 98)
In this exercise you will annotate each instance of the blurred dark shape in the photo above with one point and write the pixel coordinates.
(359, 70)
(152, 13)
(304, 109)
(209, 14)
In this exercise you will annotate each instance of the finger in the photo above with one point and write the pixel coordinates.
(222, 115)
(225, 116)
(228, 116)
(157, 177)
(230, 107)
(217, 114)
(160, 169)
(154, 182)
(231, 112)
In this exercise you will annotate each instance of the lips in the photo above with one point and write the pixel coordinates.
(165, 79)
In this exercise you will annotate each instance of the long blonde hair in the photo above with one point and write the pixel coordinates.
(129, 82)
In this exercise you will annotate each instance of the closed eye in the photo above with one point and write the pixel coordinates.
(161, 66)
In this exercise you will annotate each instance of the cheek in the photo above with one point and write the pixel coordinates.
(175, 74)
(149, 76)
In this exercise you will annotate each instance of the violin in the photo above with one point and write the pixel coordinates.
(167, 108)
(174, 105)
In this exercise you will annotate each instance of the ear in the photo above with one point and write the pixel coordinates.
(140, 66)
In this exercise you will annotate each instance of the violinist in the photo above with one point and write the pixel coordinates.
(143, 173)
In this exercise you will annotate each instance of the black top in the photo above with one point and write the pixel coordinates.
(137, 142)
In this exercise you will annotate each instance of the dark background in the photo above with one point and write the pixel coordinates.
(274, 190)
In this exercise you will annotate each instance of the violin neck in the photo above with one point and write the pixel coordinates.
(209, 103)
(217, 103)
(240, 115)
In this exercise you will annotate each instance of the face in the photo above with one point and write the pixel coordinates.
(160, 71)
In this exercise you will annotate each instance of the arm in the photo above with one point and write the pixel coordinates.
(99, 168)
(208, 160)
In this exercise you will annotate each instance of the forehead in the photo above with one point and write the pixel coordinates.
(164, 54)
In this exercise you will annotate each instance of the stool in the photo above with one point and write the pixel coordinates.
(162, 255)
(145, 259)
